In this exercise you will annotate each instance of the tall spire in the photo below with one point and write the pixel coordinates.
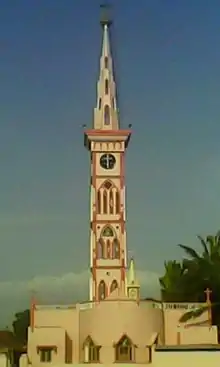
(106, 111)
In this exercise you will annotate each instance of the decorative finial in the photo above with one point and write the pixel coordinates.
(105, 15)
(131, 254)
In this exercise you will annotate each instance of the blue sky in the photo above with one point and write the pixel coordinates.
(167, 61)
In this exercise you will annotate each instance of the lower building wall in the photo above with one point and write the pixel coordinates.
(159, 359)
(199, 335)
(185, 358)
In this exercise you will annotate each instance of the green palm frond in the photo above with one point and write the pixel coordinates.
(190, 252)
(204, 245)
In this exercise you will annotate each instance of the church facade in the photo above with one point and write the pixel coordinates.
(115, 325)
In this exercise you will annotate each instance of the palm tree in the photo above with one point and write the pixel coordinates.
(205, 266)
(172, 282)
(211, 250)
(204, 272)
(187, 281)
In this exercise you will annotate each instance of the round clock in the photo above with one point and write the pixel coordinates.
(107, 161)
(133, 293)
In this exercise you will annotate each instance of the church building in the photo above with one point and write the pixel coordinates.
(114, 325)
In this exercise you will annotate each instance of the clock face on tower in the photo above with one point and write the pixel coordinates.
(107, 161)
(133, 293)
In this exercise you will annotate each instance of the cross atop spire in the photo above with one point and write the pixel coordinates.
(106, 111)
(105, 15)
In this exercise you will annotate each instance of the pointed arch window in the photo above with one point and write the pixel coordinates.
(106, 62)
(108, 245)
(108, 199)
(114, 286)
(115, 249)
(91, 351)
(102, 290)
(101, 249)
(117, 202)
(99, 202)
(107, 115)
(105, 202)
(107, 232)
(124, 350)
(111, 202)
(106, 86)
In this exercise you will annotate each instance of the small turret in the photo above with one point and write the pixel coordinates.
(132, 286)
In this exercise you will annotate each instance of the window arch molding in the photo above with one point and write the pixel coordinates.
(108, 231)
(108, 245)
(108, 198)
(91, 351)
(102, 290)
(114, 285)
(124, 350)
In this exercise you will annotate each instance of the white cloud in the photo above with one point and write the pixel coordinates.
(68, 288)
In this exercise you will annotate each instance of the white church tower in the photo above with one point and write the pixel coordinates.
(107, 143)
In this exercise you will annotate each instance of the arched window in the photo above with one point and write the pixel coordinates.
(100, 103)
(107, 115)
(101, 249)
(114, 285)
(108, 199)
(106, 62)
(117, 202)
(99, 202)
(102, 290)
(108, 247)
(105, 202)
(115, 249)
(106, 86)
(91, 351)
(111, 202)
(124, 350)
(107, 232)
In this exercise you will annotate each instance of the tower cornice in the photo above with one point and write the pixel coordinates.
(106, 135)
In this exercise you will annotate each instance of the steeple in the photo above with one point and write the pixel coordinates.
(106, 111)
(107, 143)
